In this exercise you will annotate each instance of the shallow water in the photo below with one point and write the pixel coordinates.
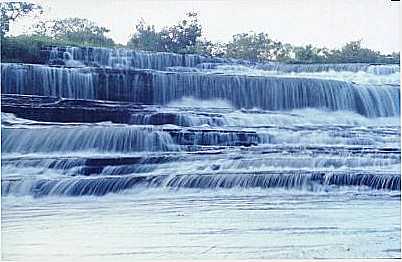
(209, 204)
(207, 173)
(191, 224)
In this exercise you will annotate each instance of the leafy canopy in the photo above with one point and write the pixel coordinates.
(78, 30)
(179, 38)
(11, 11)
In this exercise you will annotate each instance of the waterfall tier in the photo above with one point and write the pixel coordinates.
(119, 57)
(352, 67)
(103, 185)
(155, 87)
(126, 58)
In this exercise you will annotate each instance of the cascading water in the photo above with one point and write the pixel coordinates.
(353, 67)
(121, 134)
(278, 94)
(97, 138)
(270, 93)
(47, 81)
(118, 57)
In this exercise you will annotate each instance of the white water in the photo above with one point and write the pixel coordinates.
(242, 90)
(360, 77)
(307, 167)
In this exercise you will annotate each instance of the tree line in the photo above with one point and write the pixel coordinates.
(183, 37)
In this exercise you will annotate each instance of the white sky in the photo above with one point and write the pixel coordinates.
(328, 23)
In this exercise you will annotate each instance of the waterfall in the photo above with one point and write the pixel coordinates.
(105, 147)
(124, 58)
(116, 139)
(91, 138)
(352, 67)
(310, 68)
(277, 93)
(135, 119)
(47, 81)
(78, 83)
(165, 163)
(270, 93)
(107, 184)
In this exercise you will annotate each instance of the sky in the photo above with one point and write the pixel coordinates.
(323, 23)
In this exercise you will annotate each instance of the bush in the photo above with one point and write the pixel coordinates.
(76, 30)
(180, 38)
(26, 48)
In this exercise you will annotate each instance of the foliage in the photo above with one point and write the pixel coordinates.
(64, 32)
(249, 46)
(309, 54)
(10, 11)
(183, 37)
(351, 52)
(26, 48)
(179, 38)
(208, 48)
(257, 48)
(23, 49)
(78, 30)
(146, 38)
(283, 52)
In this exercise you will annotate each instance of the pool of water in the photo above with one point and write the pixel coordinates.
(204, 224)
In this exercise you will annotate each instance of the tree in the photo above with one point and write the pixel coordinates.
(281, 52)
(182, 37)
(146, 38)
(353, 52)
(179, 38)
(77, 30)
(395, 57)
(256, 47)
(11, 11)
(309, 54)
(208, 48)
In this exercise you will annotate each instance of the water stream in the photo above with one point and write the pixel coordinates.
(116, 154)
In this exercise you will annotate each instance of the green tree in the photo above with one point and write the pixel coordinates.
(256, 47)
(353, 52)
(250, 46)
(146, 38)
(208, 48)
(309, 54)
(11, 11)
(78, 30)
(180, 38)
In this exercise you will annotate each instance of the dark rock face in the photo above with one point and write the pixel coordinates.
(52, 109)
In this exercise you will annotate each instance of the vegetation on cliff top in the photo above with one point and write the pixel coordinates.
(183, 37)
